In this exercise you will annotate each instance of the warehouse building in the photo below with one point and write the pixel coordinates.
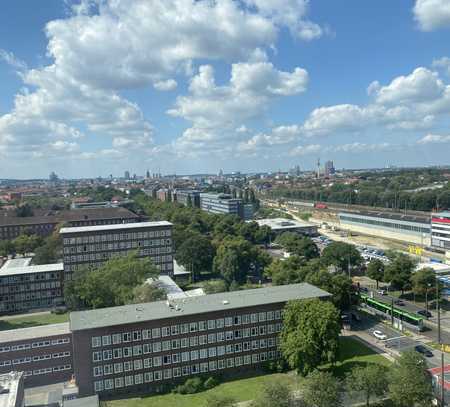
(281, 225)
(396, 226)
(142, 347)
(91, 246)
(440, 230)
(30, 287)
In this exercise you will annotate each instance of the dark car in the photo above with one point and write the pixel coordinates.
(423, 350)
(399, 302)
(424, 313)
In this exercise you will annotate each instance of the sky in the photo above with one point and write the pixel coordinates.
(96, 87)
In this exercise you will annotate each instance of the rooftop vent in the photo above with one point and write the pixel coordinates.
(225, 302)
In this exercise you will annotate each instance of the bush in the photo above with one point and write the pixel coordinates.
(210, 382)
(276, 366)
(190, 386)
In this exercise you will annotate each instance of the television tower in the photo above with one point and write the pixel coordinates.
(318, 168)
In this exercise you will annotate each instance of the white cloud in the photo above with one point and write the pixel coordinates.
(434, 139)
(169, 84)
(289, 13)
(432, 14)
(357, 147)
(12, 60)
(306, 150)
(443, 63)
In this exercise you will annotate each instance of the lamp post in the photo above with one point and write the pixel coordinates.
(426, 299)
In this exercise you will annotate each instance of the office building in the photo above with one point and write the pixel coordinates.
(188, 197)
(281, 225)
(42, 353)
(222, 204)
(329, 168)
(31, 287)
(91, 246)
(140, 347)
(440, 230)
(45, 222)
(11, 389)
(164, 194)
(126, 175)
(396, 226)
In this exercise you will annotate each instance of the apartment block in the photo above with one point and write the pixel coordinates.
(94, 245)
(188, 197)
(45, 222)
(30, 287)
(142, 347)
(44, 354)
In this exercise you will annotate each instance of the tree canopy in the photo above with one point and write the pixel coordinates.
(321, 389)
(298, 245)
(111, 284)
(371, 380)
(275, 393)
(375, 270)
(310, 334)
(424, 280)
(398, 272)
(342, 255)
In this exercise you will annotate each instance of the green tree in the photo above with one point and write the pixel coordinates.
(236, 257)
(300, 246)
(423, 280)
(215, 286)
(410, 381)
(375, 270)
(275, 393)
(398, 272)
(321, 389)
(218, 400)
(24, 210)
(310, 334)
(287, 271)
(111, 284)
(371, 380)
(148, 293)
(6, 248)
(26, 244)
(342, 255)
(196, 253)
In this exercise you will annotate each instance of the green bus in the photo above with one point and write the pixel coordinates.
(412, 319)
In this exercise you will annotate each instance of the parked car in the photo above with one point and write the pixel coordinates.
(425, 313)
(399, 302)
(379, 335)
(424, 351)
(382, 292)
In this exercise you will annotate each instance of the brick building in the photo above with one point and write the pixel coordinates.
(94, 245)
(140, 347)
(30, 287)
(45, 222)
(43, 353)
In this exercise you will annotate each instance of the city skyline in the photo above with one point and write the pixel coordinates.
(98, 87)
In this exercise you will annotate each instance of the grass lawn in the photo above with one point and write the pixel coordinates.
(32, 320)
(353, 353)
(241, 390)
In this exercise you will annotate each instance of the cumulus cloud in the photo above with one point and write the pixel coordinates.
(169, 84)
(306, 150)
(442, 63)
(12, 60)
(432, 14)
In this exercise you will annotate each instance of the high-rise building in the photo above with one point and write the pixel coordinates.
(94, 245)
(440, 230)
(329, 168)
(127, 175)
(147, 174)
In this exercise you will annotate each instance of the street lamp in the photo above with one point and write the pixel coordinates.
(426, 298)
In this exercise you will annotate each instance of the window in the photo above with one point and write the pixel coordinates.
(185, 356)
(175, 343)
(193, 327)
(184, 342)
(148, 377)
(146, 348)
(96, 341)
(167, 360)
(212, 352)
(138, 378)
(176, 372)
(246, 319)
(219, 323)
(277, 314)
(127, 366)
(118, 368)
(230, 362)
(262, 317)
(269, 315)
(109, 384)
(229, 335)
(185, 370)
(118, 382)
(156, 346)
(165, 331)
(228, 321)
(106, 340)
(175, 358)
(157, 361)
(166, 345)
(203, 353)
(254, 318)
(174, 330)
(167, 373)
(211, 324)
(98, 386)
(127, 352)
(146, 334)
(137, 350)
(220, 336)
(116, 339)
(156, 333)
(98, 371)
(147, 363)
(117, 353)
(237, 320)
(221, 364)
(107, 369)
(107, 354)
(193, 341)
(238, 361)
(194, 354)
(129, 380)
(262, 330)
(202, 340)
(157, 375)
(96, 356)
(136, 335)
(212, 365)
(137, 364)
(126, 337)
(220, 350)
(202, 326)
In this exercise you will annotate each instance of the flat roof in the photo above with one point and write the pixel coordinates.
(42, 268)
(34, 332)
(117, 226)
(9, 389)
(151, 311)
(18, 262)
(390, 216)
(90, 401)
(283, 224)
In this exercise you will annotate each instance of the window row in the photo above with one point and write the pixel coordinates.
(116, 237)
(166, 374)
(191, 327)
(33, 345)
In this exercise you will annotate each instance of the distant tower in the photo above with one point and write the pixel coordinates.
(127, 175)
(318, 168)
(147, 174)
(53, 177)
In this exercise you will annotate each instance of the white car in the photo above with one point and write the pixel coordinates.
(380, 335)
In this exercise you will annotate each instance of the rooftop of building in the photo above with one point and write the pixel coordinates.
(41, 268)
(118, 226)
(133, 313)
(283, 224)
(35, 332)
(444, 214)
(18, 262)
(9, 389)
(43, 217)
(220, 196)
(390, 216)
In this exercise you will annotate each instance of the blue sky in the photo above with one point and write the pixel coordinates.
(98, 87)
